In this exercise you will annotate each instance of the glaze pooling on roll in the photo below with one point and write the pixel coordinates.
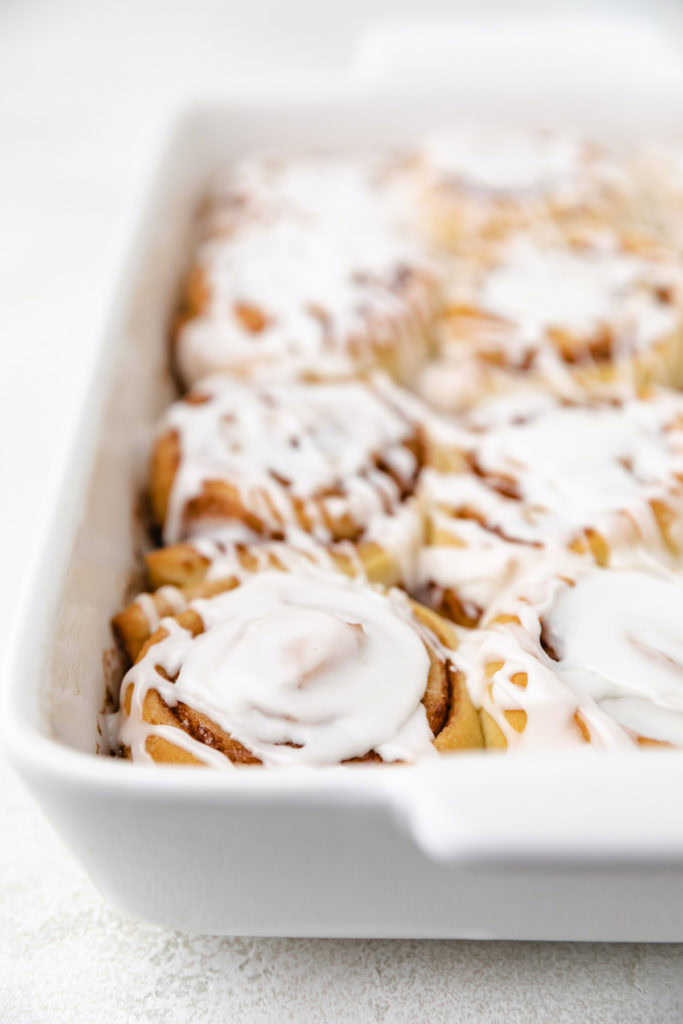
(298, 669)
(618, 640)
(585, 655)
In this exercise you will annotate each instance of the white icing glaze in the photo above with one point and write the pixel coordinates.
(514, 406)
(401, 534)
(548, 315)
(575, 466)
(508, 162)
(567, 470)
(549, 704)
(474, 566)
(279, 442)
(620, 674)
(301, 669)
(319, 247)
(320, 188)
(535, 288)
(460, 381)
(619, 641)
(481, 182)
(329, 305)
(146, 602)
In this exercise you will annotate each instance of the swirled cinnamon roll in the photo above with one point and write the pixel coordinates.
(307, 669)
(581, 656)
(336, 461)
(306, 269)
(598, 316)
(482, 183)
(537, 478)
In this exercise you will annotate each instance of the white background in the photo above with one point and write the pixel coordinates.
(83, 90)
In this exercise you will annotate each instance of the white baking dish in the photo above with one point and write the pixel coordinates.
(556, 846)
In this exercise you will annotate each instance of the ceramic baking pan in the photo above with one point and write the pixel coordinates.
(560, 846)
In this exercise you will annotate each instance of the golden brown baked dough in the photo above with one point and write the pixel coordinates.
(180, 573)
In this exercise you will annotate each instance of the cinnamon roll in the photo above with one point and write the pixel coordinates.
(305, 269)
(299, 669)
(582, 656)
(482, 183)
(337, 461)
(599, 316)
(334, 192)
(539, 477)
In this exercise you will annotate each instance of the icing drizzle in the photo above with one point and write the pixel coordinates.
(313, 454)
(537, 288)
(300, 669)
(538, 482)
(584, 655)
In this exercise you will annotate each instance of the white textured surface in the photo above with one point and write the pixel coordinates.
(65, 957)
(79, 93)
